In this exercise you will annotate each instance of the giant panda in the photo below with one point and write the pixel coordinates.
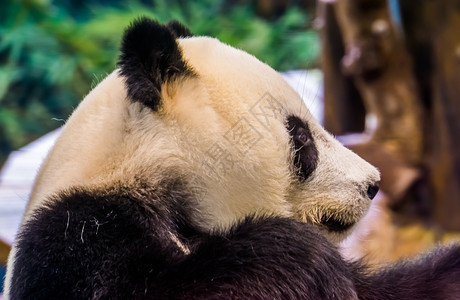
(194, 171)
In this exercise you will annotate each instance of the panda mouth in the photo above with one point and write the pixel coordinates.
(335, 225)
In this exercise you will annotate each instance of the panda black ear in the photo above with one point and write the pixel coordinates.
(150, 57)
(179, 30)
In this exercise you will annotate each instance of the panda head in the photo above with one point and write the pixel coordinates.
(220, 120)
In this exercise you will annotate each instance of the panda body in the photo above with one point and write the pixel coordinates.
(195, 172)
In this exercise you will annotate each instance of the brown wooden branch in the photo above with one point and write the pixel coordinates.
(380, 67)
(4, 252)
(378, 62)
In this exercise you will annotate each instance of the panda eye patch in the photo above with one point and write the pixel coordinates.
(305, 152)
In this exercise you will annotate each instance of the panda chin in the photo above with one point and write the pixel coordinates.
(333, 224)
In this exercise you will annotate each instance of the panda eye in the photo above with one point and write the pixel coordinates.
(305, 152)
(302, 136)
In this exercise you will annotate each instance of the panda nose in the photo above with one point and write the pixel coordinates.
(372, 190)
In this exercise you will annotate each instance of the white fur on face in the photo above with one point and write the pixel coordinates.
(237, 87)
(337, 188)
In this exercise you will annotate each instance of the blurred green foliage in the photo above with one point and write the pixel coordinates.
(53, 52)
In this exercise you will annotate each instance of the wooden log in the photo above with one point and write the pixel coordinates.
(444, 146)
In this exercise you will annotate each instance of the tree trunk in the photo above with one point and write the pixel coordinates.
(343, 107)
(443, 153)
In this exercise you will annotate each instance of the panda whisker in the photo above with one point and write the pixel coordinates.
(82, 230)
(303, 87)
(300, 148)
(184, 248)
(67, 225)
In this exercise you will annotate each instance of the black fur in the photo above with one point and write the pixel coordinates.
(432, 276)
(306, 154)
(179, 30)
(99, 244)
(261, 258)
(150, 57)
(116, 244)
